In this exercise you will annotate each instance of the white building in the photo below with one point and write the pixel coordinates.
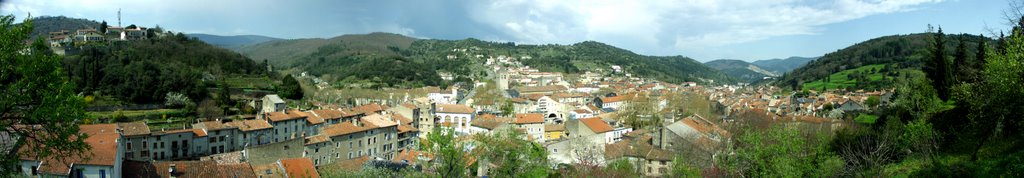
(454, 115)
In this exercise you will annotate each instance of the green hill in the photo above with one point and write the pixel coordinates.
(232, 42)
(783, 65)
(335, 57)
(45, 24)
(898, 52)
(144, 71)
(739, 69)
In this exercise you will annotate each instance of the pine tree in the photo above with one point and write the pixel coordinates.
(979, 61)
(103, 27)
(963, 70)
(938, 68)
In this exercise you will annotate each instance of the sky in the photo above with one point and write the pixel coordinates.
(701, 29)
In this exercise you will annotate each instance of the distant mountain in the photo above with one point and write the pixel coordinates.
(783, 65)
(375, 52)
(232, 42)
(45, 24)
(739, 69)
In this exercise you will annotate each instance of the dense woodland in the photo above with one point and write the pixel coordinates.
(145, 71)
(896, 52)
(343, 54)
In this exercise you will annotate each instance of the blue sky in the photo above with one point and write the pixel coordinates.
(701, 29)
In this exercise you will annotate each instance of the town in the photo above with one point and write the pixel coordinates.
(267, 89)
(594, 113)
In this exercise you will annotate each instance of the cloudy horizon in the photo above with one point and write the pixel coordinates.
(701, 29)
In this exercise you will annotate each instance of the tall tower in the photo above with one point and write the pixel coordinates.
(119, 17)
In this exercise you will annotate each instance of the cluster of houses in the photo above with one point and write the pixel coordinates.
(578, 122)
(283, 142)
(62, 41)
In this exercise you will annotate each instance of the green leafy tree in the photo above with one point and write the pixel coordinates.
(38, 104)
(783, 151)
(449, 153)
(681, 169)
(513, 156)
(938, 69)
(290, 88)
(103, 27)
(640, 112)
(872, 101)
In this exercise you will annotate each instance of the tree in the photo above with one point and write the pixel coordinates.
(448, 152)
(640, 111)
(872, 101)
(783, 151)
(938, 68)
(512, 155)
(979, 60)
(681, 169)
(103, 27)
(290, 88)
(960, 62)
(224, 95)
(508, 108)
(38, 103)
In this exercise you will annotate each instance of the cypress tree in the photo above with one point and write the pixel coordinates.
(938, 68)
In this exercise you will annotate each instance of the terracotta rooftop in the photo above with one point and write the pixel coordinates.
(344, 128)
(377, 121)
(250, 125)
(185, 169)
(406, 128)
(212, 125)
(103, 140)
(454, 108)
(134, 128)
(317, 139)
(369, 108)
(553, 127)
(529, 118)
(547, 88)
(299, 167)
(411, 156)
(597, 125)
(312, 117)
(285, 116)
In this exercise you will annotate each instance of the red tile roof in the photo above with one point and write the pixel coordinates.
(285, 116)
(369, 108)
(317, 139)
(102, 138)
(597, 125)
(134, 128)
(343, 129)
(529, 118)
(454, 108)
(299, 167)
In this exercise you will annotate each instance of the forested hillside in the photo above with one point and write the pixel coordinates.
(232, 42)
(46, 24)
(897, 52)
(334, 57)
(780, 66)
(742, 70)
(145, 71)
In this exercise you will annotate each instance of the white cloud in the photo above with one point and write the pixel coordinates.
(667, 26)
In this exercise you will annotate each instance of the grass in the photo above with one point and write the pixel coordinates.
(840, 79)
(135, 113)
(866, 118)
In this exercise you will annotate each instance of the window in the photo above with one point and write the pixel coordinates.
(143, 144)
(349, 155)
(555, 150)
(337, 155)
(34, 171)
(129, 145)
(317, 150)
(103, 173)
(662, 163)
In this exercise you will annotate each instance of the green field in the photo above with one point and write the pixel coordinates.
(840, 79)
(136, 113)
(250, 82)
